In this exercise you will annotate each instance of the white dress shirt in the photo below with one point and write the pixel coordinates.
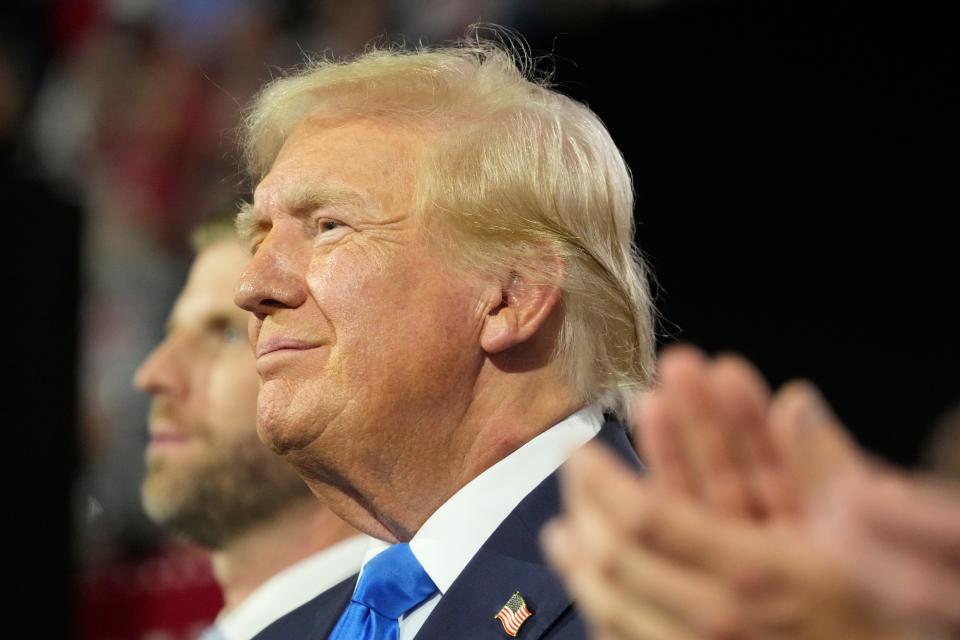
(455, 532)
(292, 587)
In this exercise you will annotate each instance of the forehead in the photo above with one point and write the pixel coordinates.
(212, 280)
(373, 158)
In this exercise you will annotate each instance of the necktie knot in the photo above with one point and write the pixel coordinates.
(391, 584)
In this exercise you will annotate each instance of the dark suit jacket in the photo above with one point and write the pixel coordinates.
(508, 561)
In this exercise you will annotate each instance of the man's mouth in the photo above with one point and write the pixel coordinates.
(165, 434)
(279, 344)
(168, 439)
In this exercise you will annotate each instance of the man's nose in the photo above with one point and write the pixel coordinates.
(161, 373)
(274, 278)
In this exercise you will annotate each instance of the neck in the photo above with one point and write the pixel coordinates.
(303, 529)
(504, 412)
(498, 423)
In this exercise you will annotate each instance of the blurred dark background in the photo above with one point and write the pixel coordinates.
(795, 166)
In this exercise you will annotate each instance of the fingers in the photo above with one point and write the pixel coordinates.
(634, 610)
(704, 433)
(667, 525)
(903, 580)
(817, 451)
(910, 550)
(628, 589)
(687, 396)
(661, 447)
(921, 514)
(713, 438)
(899, 538)
(593, 475)
(644, 564)
(742, 400)
(697, 599)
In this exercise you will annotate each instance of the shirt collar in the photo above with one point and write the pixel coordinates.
(293, 586)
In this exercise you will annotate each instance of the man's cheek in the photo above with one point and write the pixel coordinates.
(338, 281)
(361, 301)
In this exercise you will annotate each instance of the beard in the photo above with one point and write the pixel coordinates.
(222, 493)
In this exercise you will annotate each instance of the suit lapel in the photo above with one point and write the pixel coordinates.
(510, 561)
(313, 619)
(330, 608)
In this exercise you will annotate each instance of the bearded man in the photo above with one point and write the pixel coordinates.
(209, 479)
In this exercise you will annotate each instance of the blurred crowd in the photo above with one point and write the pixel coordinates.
(125, 113)
(129, 109)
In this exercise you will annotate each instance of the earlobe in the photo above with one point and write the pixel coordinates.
(499, 329)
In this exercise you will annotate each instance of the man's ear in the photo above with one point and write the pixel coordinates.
(524, 308)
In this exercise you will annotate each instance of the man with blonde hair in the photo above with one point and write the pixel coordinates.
(209, 479)
(446, 301)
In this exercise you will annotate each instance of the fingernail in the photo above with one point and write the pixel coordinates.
(815, 407)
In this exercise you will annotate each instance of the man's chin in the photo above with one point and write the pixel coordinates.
(171, 478)
(278, 437)
(161, 497)
(281, 427)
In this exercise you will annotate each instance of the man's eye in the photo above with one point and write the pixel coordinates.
(327, 224)
(222, 329)
(232, 334)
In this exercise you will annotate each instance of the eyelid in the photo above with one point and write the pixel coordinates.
(221, 326)
(232, 333)
(327, 216)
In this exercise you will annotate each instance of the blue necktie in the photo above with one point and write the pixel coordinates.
(391, 584)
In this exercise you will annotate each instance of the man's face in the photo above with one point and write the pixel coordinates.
(364, 338)
(208, 476)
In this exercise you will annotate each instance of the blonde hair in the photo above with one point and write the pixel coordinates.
(516, 175)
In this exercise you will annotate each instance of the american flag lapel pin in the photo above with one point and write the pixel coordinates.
(513, 614)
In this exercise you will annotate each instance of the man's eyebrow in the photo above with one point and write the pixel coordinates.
(248, 224)
(307, 197)
(298, 199)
